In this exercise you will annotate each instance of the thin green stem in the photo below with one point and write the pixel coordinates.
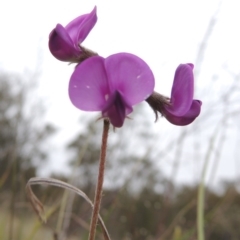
(201, 189)
(98, 191)
(13, 199)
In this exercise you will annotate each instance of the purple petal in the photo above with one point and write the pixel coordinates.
(188, 118)
(116, 110)
(64, 42)
(79, 28)
(131, 76)
(182, 90)
(61, 45)
(88, 87)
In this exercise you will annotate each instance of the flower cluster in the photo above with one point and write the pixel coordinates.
(113, 85)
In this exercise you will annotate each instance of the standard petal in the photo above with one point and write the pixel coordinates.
(79, 28)
(131, 76)
(182, 90)
(61, 45)
(188, 118)
(88, 87)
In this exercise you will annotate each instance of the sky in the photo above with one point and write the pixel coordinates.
(163, 33)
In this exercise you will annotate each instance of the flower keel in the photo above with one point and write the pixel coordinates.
(117, 109)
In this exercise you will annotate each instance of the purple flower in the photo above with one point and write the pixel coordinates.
(64, 43)
(181, 109)
(111, 85)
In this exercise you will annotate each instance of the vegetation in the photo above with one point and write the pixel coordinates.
(138, 202)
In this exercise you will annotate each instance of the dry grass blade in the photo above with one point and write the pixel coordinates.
(38, 207)
(36, 204)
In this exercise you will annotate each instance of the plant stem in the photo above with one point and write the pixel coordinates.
(13, 199)
(201, 188)
(98, 191)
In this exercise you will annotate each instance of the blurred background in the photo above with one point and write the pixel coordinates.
(153, 170)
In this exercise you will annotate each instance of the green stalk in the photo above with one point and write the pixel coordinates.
(201, 189)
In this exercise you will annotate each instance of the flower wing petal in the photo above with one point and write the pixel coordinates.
(188, 118)
(79, 28)
(131, 76)
(88, 87)
(182, 90)
(61, 45)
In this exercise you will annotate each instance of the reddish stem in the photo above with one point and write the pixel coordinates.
(98, 191)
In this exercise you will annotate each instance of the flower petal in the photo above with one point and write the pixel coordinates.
(129, 75)
(188, 118)
(79, 28)
(182, 90)
(88, 87)
(117, 109)
(61, 45)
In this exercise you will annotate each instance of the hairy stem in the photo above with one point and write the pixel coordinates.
(98, 191)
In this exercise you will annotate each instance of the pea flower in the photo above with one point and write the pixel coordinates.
(181, 109)
(64, 43)
(111, 85)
